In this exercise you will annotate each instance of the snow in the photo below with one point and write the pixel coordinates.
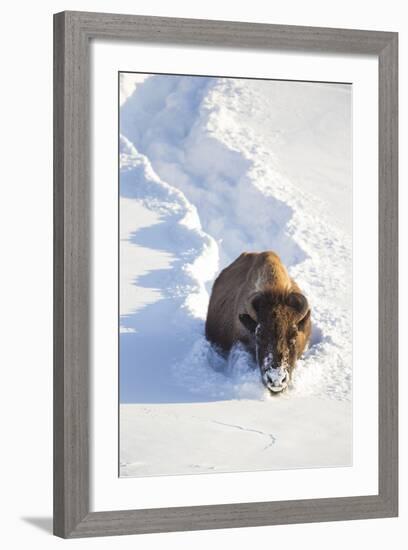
(212, 167)
(128, 83)
(192, 438)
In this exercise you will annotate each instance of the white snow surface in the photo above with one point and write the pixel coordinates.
(233, 435)
(212, 167)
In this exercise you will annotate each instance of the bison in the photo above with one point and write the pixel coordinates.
(255, 302)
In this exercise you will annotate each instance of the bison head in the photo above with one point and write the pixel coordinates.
(276, 332)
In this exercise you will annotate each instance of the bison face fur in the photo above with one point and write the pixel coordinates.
(254, 301)
(278, 335)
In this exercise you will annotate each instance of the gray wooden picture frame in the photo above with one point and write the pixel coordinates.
(72, 34)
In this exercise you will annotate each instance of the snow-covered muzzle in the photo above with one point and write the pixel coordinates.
(275, 378)
(274, 359)
(273, 333)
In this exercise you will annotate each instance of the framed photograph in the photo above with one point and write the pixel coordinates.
(225, 287)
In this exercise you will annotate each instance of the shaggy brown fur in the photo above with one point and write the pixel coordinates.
(254, 301)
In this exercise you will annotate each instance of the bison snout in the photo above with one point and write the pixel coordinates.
(276, 379)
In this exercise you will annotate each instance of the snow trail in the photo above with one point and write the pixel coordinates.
(197, 152)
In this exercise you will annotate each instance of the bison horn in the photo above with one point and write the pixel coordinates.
(298, 302)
